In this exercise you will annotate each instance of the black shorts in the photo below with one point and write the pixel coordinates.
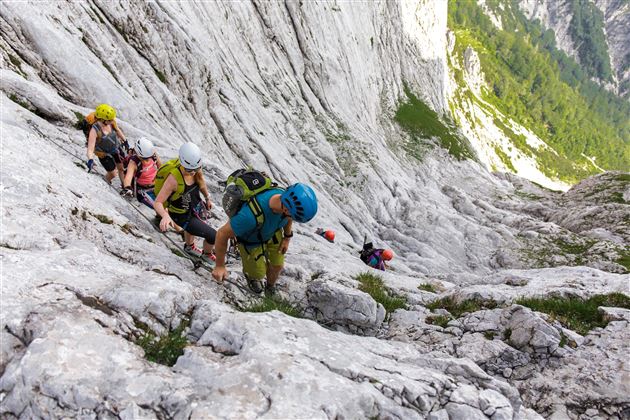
(195, 226)
(109, 161)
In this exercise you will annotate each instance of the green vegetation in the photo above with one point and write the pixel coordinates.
(269, 303)
(624, 260)
(574, 313)
(178, 253)
(457, 309)
(427, 287)
(164, 349)
(103, 219)
(544, 90)
(160, 75)
(587, 31)
(373, 285)
(580, 247)
(528, 196)
(489, 335)
(80, 118)
(617, 197)
(421, 122)
(439, 320)
(504, 158)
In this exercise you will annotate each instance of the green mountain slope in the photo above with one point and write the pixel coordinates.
(545, 91)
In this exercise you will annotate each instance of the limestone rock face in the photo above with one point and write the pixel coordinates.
(592, 381)
(306, 91)
(339, 306)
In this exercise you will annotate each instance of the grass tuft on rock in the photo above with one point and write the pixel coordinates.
(427, 287)
(440, 320)
(103, 219)
(579, 315)
(79, 122)
(268, 303)
(373, 285)
(457, 309)
(166, 348)
(178, 253)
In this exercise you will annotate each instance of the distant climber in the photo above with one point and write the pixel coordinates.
(261, 218)
(178, 187)
(376, 257)
(141, 172)
(327, 234)
(106, 141)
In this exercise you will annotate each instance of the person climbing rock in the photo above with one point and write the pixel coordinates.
(88, 121)
(106, 141)
(327, 234)
(141, 172)
(179, 184)
(376, 257)
(263, 227)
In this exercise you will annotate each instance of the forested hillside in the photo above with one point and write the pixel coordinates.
(546, 91)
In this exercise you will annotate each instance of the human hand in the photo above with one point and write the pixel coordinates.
(126, 192)
(219, 273)
(284, 246)
(208, 203)
(166, 222)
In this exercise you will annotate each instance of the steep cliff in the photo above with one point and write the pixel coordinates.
(324, 93)
(576, 23)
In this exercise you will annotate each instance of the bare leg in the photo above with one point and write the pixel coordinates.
(109, 176)
(121, 173)
(207, 247)
(273, 272)
(188, 238)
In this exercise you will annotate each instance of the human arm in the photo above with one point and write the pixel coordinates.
(224, 234)
(170, 185)
(288, 234)
(131, 171)
(157, 159)
(119, 132)
(203, 188)
(91, 143)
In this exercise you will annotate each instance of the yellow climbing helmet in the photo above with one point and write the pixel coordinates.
(105, 112)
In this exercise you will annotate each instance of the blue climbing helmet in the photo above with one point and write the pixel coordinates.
(301, 202)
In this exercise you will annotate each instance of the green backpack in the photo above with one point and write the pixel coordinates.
(242, 186)
(170, 167)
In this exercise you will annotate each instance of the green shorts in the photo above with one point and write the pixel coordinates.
(256, 259)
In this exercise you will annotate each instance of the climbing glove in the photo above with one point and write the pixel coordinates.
(90, 165)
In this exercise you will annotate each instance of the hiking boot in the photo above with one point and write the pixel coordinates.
(208, 258)
(192, 250)
(256, 286)
(270, 291)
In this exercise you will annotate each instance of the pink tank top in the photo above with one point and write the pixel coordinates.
(148, 173)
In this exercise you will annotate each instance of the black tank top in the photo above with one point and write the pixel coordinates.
(189, 198)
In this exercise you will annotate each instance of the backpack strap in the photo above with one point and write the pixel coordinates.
(181, 187)
(257, 211)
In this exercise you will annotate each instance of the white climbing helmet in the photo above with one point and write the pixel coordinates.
(144, 148)
(190, 156)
